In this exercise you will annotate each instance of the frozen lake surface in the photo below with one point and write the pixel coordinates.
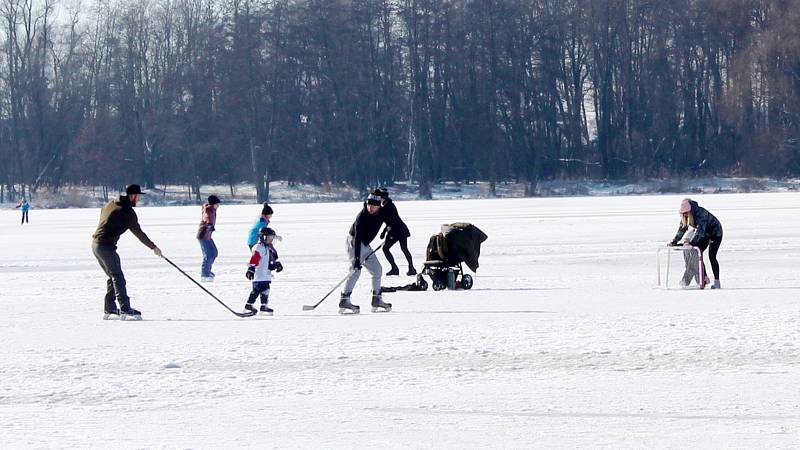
(564, 341)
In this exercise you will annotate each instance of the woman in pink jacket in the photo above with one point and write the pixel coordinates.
(204, 231)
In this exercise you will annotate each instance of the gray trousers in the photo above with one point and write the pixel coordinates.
(692, 271)
(372, 265)
(115, 285)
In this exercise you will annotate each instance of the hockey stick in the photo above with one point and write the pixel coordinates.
(238, 314)
(314, 306)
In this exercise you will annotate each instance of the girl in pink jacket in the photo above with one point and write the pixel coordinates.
(204, 230)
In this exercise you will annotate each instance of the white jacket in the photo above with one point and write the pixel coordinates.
(264, 256)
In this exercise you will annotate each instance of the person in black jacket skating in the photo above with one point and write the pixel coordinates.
(395, 231)
(117, 217)
(362, 233)
(708, 234)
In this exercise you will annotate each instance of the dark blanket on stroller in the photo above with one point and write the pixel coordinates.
(464, 243)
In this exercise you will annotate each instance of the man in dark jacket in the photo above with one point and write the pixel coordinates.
(395, 231)
(116, 218)
(362, 233)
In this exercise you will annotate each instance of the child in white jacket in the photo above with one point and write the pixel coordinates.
(262, 262)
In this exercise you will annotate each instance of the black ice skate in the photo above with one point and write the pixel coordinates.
(249, 308)
(345, 307)
(378, 305)
(111, 315)
(128, 313)
(411, 271)
(265, 311)
(393, 271)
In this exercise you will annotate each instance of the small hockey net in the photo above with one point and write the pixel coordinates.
(679, 267)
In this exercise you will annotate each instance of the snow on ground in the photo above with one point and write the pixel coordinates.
(284, 192)
(562, 343)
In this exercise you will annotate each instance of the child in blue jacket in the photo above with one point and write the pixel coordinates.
(262, 222)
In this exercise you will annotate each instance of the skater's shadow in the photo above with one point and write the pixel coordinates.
(771, 288)
(519, 289)
(259, 318)
(197, 320)
(475, 312)
(697, 288)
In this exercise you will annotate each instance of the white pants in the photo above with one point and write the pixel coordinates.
(372, 265)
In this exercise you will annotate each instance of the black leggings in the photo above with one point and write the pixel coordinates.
(713, 247)
(390, 241)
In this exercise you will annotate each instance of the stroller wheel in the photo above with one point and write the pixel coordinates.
(466, 281)
(438, 285)
(423, 285)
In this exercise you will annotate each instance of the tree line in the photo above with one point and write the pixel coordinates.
(366, 92)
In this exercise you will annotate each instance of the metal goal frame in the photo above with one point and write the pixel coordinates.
(669, 250)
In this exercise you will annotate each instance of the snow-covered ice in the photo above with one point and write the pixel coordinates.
(564, 341)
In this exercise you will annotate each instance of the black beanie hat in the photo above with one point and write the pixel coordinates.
(266, 210)
(134, 189)
(213, 200)
(384, 193)
(374, 198)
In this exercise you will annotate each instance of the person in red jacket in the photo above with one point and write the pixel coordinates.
(208, 221)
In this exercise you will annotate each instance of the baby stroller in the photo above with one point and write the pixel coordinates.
(457, 243)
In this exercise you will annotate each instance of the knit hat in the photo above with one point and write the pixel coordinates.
(266, 231)
(384, 193)
(686, 206)
(213, 200)
(374, 198)
(266, 210)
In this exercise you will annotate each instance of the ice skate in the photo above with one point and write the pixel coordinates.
(411, 271)
(265, 311)
(345, 307)
(111, 314)
(393, 271)
(249, 308)
(378, 305)
(128, 313)
(207, 279)
(716, 285)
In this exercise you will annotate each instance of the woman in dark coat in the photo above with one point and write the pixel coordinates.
(708, 234)
(395, 231)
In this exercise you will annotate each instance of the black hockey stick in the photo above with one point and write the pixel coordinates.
(238, 314)
(314, 306)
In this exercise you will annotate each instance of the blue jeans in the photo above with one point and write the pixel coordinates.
(209, 255)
